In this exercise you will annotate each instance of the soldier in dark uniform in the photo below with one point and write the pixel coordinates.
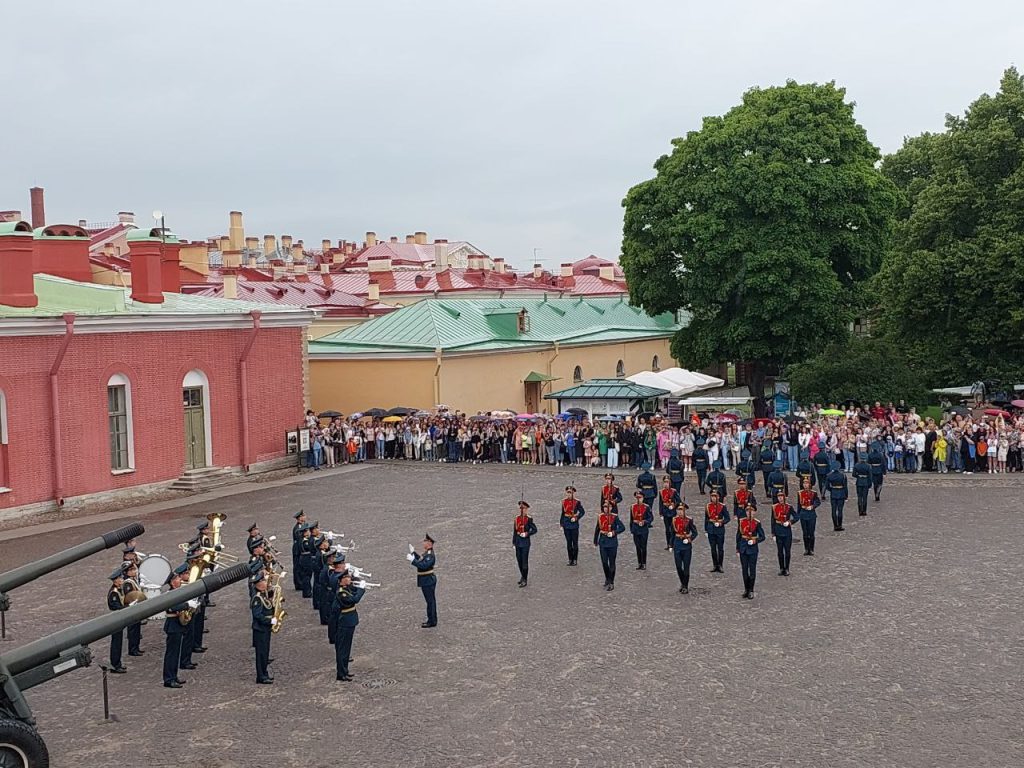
(804, 469)
(523, 529)
(862, 481)
(610, 492)
(572, 511)
(115, 602)
(747, 469)
(808, 502)
(838, 491)
(766, 463)
(131, 584)
(300, 520)
(338, 567)
(776, 481)
(668, 503)
(188, 638)
(322, 547)
(640, 519)
(674, 470)
(606, 538)
(174, 632)
(305, 560)
(425, 578)
(749, 534)
(263, 622)
(327, 589)
(699, 460)
(348, 619)
(783, 517)
(647, 484)
(715, 518)
(685, 531)
(254, 535)
(717, 481)
(878, 469)
(257, 564)
(822, 466)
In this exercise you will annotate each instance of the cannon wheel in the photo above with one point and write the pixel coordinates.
(21, 746)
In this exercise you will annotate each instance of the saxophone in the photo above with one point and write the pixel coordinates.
(276, 599)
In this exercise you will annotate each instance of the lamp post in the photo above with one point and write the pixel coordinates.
(159, 216)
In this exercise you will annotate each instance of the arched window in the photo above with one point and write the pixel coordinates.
(3, 440)
(577, 375)
(119, 423)
(655, 364)
(620, 370)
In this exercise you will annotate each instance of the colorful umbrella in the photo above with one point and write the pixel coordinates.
(525, 417)
(391, 419)
(830, 412)
(727, 417)
(996, 412)
(760, 422)
(1017, 403)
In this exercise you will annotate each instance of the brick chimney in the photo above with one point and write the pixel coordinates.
(297, 256)
(16, 266)
(125, 217)
(371, 239)
(421, 238)
(606, 272)
(269, 245)
(170, 268)
(538, 271)
(378, 264)
(410, 239)
(440, 256)
(146, 270)
(223, 244)
(499, 265)
(10, 217)
(567, 270)
(325, 268)
(38, 208)
(286, 243)
(373, 291)
(236, 232)
(230, 284)
(63, 250)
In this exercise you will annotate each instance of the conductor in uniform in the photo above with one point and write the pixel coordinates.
(300, 520)
(523, 530)
(572, 511)
(749, 534)
(426, 580)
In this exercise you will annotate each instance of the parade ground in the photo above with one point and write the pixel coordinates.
(898, 644)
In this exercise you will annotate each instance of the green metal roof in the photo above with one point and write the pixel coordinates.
(478, 325)
(153, 233)
(608, 389)
(57, 296)
(533, 376)
(15, 228)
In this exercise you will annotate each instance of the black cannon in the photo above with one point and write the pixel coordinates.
(31, 571)
(42, 660)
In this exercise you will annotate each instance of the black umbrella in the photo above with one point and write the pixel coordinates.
(479, 418)
(375, 412)
(329, 415)
(792, 419)
(577, 411)
(400, 411)
(961, 410)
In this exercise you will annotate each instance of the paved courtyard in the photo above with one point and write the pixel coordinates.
(898, 644)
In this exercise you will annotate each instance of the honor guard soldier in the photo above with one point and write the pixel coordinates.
(338, 568)
(306, 560)
(776, 481)
(131, 584)
(300, 520)
(523, 530)
(741, 497)
(684, 531)
(610, 492)
(674, 470)
(749, 534)
(425, 578)
(263, 622)
(766, 463)
(640, 519)
(572, 511)
(838, 490)
(348, 619)
(747, 469)
(715, 518)
(606, 539)
(647, 484)
(668, 503)
(717, 482)
(822, 466)
(804, 468)
(862, 481)
(174, 632)
(783, 517)
(699, 461)
(115, 602)
(254, 535)
(808, 501)
(877, 462)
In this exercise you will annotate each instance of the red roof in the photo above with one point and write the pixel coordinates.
(592, 266)
(293, 294)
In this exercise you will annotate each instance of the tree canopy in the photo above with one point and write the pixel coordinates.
(863, 369)
(762, 226)
(951, 290)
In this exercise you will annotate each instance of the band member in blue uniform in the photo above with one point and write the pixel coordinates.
(878, 469)
(699, 460)
(804, 469)
(300, 520)
(319, 561)
(783, 517)
(338, 568)
(174, 632)
(822, 466)
(610, 493)
(685, 531)
(640, 519)
(115, 602)
(746, 468)
(717, 481)
(674, 470)
(749, 534)
(254, 536)
(808, 501)
(715, 518)
(572, 511)
(306, 553)
(348, 619)
(776, 481)
(523, 530)
(426, 580)
(838, 490)
(606, 538)
(766, 463)
(668, 503)
(647, 484)
(263, 621)
(328, 589)
(862, 481)
(131, 584)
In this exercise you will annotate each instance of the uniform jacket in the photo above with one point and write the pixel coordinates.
(805, 469)
(648, 486)
(700, 460)
(569, 511)
(674, 470)
(709, 524)
(684, 528)
(810, 512)
(643, 526)
(822, 463)
(877, 462)
(611, 537)
(424, 565)
(837, 486)
(862, 474)
(777, 481)
(716, 481)
(667, 507)
(262, 612)
(780, 516)
(743, 545)
(347, 599)
(519, 527)
(747, 469)
(610, 493)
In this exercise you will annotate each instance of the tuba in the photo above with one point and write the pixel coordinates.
(276, 598)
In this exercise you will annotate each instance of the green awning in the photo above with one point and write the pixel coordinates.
(534, 376)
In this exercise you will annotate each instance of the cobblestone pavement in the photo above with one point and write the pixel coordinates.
(898, 644)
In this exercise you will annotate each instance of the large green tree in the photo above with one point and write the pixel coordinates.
(761, 226)
(861, 369)
(951, 290)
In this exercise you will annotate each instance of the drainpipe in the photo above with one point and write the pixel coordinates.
(58, 449)
(243, 383)
(437, 375)
(551, 362)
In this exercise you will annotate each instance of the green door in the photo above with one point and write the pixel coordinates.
(195, 428)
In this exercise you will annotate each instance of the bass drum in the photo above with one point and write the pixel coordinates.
(153, 573)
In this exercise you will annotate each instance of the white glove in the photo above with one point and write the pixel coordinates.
(410, 557)
(273, 622)
(412, 549)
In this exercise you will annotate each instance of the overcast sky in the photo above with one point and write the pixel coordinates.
(515, 125)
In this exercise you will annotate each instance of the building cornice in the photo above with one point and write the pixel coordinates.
(86, 324)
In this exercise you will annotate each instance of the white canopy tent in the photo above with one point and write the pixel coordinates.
(697, 381)
(656, 380)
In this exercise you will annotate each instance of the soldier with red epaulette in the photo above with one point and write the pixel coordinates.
(684, 531)
(668, 503)
(783, 517)
(749, 534)
(740, 498)
(523, 530)
(640, 519)
(572, 511)
(715, 518)
(610, 492)
(606, 539)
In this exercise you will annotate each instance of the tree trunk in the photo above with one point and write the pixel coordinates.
(756, 387)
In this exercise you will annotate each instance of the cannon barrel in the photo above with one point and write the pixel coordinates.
(49, 648)
(26, 573)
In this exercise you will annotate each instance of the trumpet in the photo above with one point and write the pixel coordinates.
(363, 584)
(332, 535)
(217, 554)
(340, 548)
(358, 573)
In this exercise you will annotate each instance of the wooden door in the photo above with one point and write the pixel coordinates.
(195, 428)
(532, 396)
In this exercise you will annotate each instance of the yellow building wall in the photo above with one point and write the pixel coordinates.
(324, 326)
(350, 386)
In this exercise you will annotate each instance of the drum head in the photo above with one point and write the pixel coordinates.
(154, 570)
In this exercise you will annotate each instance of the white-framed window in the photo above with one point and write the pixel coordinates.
(3, 440)
(655, 364)
(119, 423)
(577, 375)
(620, 370)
